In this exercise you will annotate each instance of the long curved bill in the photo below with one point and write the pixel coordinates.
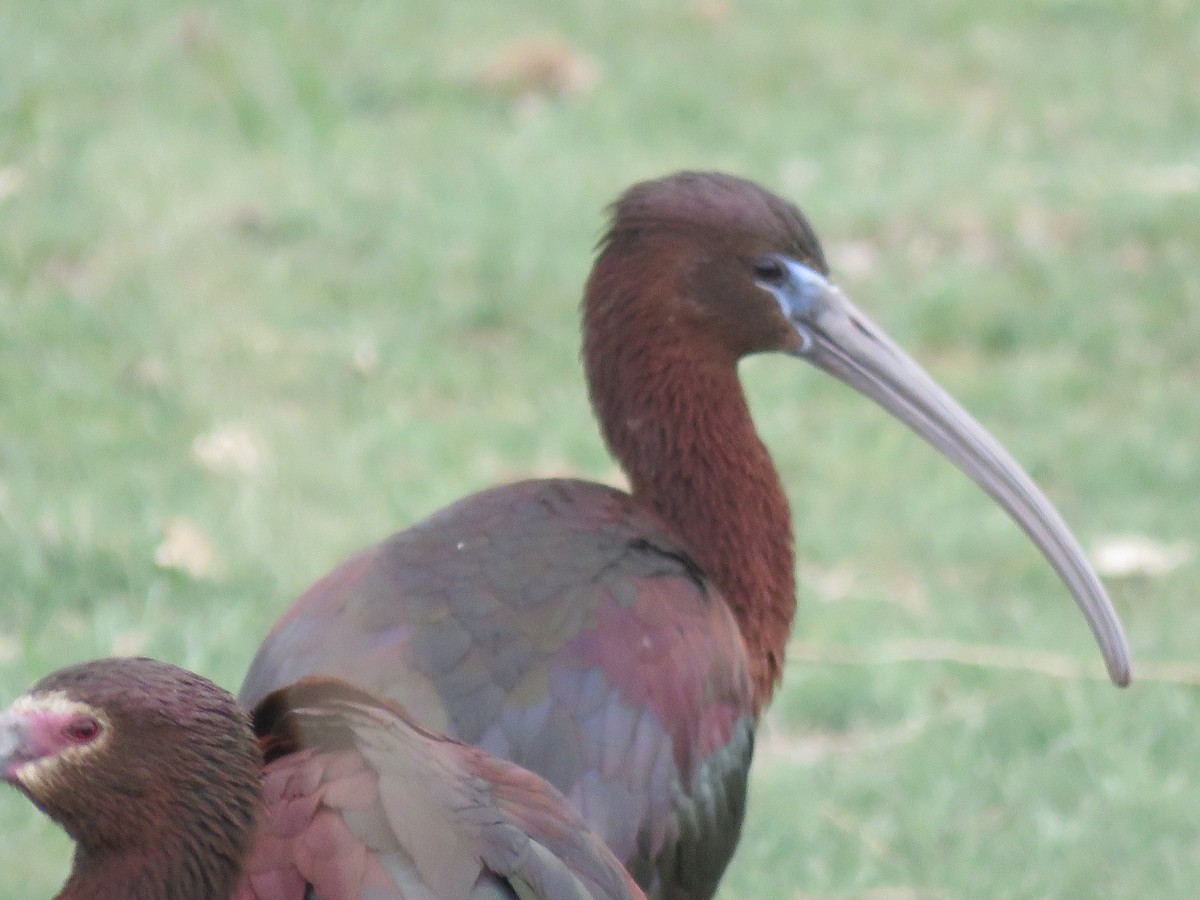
(837, 338)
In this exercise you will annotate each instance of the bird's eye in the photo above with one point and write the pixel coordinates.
(81, 730)
(769, 269)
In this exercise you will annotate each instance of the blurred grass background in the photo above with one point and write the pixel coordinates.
(279, 278)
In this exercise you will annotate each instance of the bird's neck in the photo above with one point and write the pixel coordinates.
(133, 875)
(168, 863)
(678, 421)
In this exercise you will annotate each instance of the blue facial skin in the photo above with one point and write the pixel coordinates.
(800, 292)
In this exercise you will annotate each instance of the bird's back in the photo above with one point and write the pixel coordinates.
(558, 625)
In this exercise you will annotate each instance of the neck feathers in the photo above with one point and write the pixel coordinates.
(178, 867)
(182, 839)
(676, 417)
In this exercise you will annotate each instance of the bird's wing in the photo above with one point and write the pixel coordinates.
(531, 836)
(307, 838)
(556, 625)
(364, 803)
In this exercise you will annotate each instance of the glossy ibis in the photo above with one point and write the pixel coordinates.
(622, 645)
(157, 775)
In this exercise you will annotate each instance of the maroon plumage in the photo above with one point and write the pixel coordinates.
(622, 646)
(157, 775)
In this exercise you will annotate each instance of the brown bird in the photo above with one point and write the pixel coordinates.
(159, 777)
(622, 645)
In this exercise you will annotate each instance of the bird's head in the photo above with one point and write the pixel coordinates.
(718, 267)
(123, 753)
(691, 252)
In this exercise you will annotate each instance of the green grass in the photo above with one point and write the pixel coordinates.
(208, 212)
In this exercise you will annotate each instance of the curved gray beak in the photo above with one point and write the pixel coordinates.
(836, 337)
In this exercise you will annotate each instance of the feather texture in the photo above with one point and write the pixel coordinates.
(334, 795)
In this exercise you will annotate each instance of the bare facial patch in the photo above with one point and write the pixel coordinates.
(42, 734)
